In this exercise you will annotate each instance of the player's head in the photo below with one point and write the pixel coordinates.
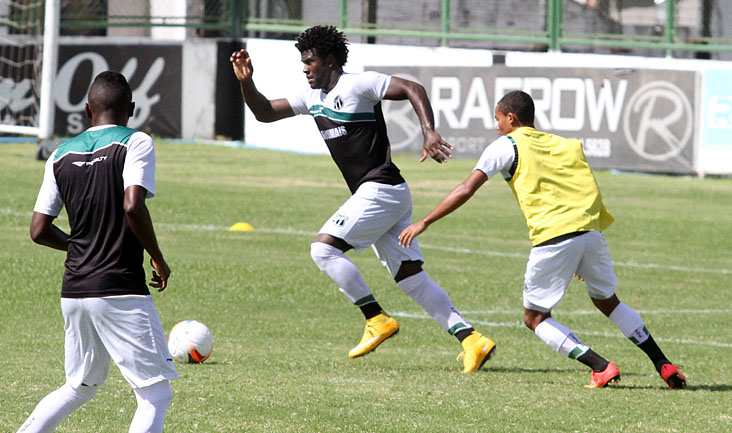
(110, 99)
(514, 110)
(323, 41)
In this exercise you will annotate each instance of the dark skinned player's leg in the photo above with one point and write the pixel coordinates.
(344, 273)
(632, 326)
(411, 268)
(562, 340)
(328, 253)
(407, 269)
(413, 281)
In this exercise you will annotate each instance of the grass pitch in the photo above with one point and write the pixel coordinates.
(283, 330)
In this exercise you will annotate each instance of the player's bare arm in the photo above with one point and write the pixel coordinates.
(44, 232)
(456, 198)
(264, 110)
(434, 145)
(138, 217)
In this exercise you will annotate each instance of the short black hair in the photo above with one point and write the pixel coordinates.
(324, 40)
(110, 92)
(520, 104)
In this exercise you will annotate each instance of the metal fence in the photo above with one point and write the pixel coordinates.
(673, 28)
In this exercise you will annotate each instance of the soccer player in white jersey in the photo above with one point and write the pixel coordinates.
(347, 110)
(559, 197)
(103, 177)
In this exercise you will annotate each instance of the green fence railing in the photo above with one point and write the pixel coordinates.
(551, 31)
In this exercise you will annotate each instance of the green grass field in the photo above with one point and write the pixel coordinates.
(283, 330)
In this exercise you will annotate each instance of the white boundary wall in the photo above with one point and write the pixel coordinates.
(278, 71)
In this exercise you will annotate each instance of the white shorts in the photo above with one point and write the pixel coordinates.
(374, 216)
(125, 329)
(551, 268)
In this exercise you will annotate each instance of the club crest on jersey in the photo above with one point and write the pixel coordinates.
(340, 220)
(338, 103)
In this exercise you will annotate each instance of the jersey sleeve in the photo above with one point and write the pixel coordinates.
(497, 157)
(298, 103)
(139, 168)
(49, 197)
(373, 85)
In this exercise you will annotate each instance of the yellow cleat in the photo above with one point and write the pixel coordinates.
(378, 329)
(477, 349)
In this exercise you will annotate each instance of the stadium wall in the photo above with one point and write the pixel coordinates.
(633, 113)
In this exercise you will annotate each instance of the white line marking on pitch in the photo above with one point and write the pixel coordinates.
(523, 256)
(615, 263)
(518, 324)
(591, 312)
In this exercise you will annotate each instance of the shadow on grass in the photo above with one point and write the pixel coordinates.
(713, 388)
(542, 370)
(488, 369)
(206, 363)
(720, 387)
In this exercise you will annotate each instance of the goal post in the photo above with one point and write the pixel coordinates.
(48, 71)
(28, 57)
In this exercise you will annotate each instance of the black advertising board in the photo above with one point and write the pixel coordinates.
(153, 71)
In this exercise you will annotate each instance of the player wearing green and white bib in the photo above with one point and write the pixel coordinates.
(103, 177)
(561, 201)
(346, 108)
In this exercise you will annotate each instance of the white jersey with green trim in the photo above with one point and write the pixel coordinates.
(351, 122)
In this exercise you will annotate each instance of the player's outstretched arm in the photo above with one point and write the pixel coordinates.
(138, 217)
(43, 232)
(452, 201)
(264, 109)
(433, 145)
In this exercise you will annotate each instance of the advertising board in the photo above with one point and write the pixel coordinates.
(153, 71)
(627, 119)
(715, 151)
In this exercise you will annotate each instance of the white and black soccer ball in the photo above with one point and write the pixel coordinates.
(190, 341)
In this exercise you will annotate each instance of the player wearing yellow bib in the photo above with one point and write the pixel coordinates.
(557, 194)
(559, 197)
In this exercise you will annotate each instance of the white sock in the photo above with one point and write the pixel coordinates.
(560, 338)
(630, 323)
(55, 407)
(152, 405)
(334, 263)
(423, 290)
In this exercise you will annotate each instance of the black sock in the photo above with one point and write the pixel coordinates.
(654, 352)
(371, 309)
(463, 334)
(591, 359)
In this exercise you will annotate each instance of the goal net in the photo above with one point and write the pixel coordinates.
(28, 52)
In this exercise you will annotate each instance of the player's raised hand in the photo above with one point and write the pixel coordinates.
(160, 274)
(436, 147)
(242, 64)
(408, 234)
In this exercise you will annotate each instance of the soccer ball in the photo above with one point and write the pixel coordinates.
(190, 341)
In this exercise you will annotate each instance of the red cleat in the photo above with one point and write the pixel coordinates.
(600, 379)
(673, 377)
